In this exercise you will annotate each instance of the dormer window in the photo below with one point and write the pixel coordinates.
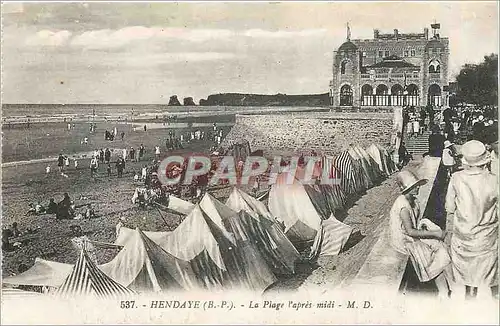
(380, 54)
(412, 53)
(406, 53)
(387, 54)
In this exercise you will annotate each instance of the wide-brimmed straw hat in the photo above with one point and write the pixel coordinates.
(475, 154)
(447, 143)
(407, 181)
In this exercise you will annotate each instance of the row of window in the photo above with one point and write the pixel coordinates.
(384, 54)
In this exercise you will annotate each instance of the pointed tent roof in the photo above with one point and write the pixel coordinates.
(217, 213)
(87, 280)
(240, 200)
(143, 265)
(192, 237)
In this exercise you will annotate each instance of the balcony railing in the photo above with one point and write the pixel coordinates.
(387, 76)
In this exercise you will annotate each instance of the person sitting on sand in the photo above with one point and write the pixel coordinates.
(31, 209)
(419, 238)
(89, 212)
(6, 235)
(64, 208)
(39, 209)
(52, 207)
(15, 230)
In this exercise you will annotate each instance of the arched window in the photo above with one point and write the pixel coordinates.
(367, 95)
(346, 95)
(412, 89)
(367, 90)
(343, 66)
(434, 95)
(397, 97)
(382, 95)
(412, 97)
(382, 90)
(397, 90)
(434, 66)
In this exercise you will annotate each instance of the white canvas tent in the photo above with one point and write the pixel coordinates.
(144, 266)
(271, 241)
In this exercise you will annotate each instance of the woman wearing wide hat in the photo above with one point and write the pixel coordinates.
(471, 204)
(419, 238)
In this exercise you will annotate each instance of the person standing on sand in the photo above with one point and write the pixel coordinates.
(101, 155)
(145, 128)
(66, 162)
(472, 221)
(132, 154)
(141, 152)
(120, 166)
(93, 166)
(157, 152)
(107, 155)
(419, 238)
(60, 162)
(76, 164)
(122, 135)
(124, 154)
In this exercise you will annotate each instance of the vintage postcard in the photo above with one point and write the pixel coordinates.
(249, 162)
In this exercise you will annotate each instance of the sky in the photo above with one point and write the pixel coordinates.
(128, 53)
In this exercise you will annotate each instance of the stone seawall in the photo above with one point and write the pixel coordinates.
(327, 132)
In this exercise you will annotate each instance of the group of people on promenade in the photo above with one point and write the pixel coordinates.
(464, 256)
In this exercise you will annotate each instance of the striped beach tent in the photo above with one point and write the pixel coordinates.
(87, 280)
(351, 178)
(362, 167)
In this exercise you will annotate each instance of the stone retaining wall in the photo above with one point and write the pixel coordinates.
(327, 132)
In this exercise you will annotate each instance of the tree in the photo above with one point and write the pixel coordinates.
(478, 83)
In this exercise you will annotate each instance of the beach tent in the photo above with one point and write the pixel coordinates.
(246, 266)
(362, 166)
(144, 266)
(180, 206)
(86, 279)
(18, 294)
(291, 204)
(373, 169)
(271, 241)
(330, 239)
(42, 273)
(381, 156)
(352, 178)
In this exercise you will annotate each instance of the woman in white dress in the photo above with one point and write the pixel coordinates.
(419, 238)
(471, 204)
